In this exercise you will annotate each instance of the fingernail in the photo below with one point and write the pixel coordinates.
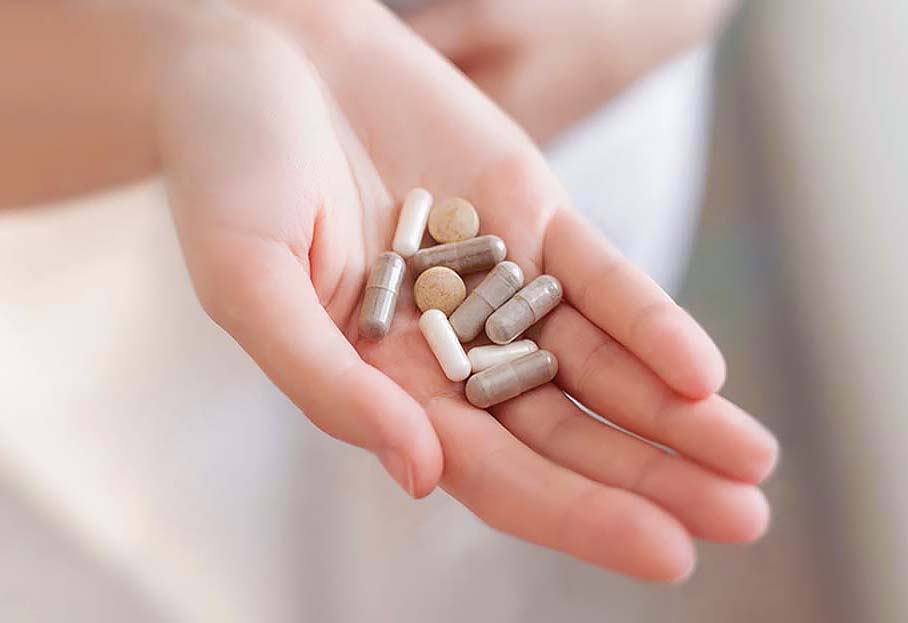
(688, 573)
(400, 470)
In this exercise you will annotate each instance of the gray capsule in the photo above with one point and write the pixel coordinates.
(525, 309)
(465, 257)
(508, 380)
(380, 297)
(499, 285)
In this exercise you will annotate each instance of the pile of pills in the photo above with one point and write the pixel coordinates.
(501, 304)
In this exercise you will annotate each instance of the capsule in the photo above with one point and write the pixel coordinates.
(445, 345)
(525, 309)
(509, 380)
(380, 297)
(485, 357)
(499, 285)
(465, 257)
(411, 224)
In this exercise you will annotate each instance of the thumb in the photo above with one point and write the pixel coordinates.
(267, 302)
(247, 142)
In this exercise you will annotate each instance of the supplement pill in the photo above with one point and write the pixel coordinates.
(499, 285)
(508, 380)
(485, 357)
(380, 297)
(412, 222)
(439, 288)
(445, 345)
(526, 308)
(465, 257)
(453, 220)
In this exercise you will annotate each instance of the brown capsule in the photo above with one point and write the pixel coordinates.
(380, 297)
(465, 257)
(509, 380)
(525, 309)
(499, 285)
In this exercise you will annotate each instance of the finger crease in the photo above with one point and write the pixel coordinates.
(589, 365)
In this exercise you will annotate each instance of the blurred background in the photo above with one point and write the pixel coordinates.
(800, 271)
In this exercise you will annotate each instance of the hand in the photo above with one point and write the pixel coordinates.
(284, 182)
(549, 63)
(281, 216)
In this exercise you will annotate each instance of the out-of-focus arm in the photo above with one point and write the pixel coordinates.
(75, 99)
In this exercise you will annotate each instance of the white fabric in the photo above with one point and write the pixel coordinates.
(151, 442)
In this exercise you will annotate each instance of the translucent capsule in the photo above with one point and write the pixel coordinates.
(469, 256)
(380, 297)
(444, 344)
(526, 308)
(411, 224)
(499, 285)
(485, 357)
(508, 380)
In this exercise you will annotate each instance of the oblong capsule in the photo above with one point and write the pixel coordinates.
(525, 309)
(509, 380)
(465, 257)
(499, 285)
(444, 344)
(485, 357)
(411, 224)
(380, 296)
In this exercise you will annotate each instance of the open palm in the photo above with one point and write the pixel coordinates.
(285, 185)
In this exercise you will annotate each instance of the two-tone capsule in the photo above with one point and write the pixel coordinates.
(380, 297)
(465, 257)
(500, 284)
(525, 308)
(509, 380)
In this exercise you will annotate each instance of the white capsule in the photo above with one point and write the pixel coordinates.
(444, 344)
(412, 222)
(485, 357)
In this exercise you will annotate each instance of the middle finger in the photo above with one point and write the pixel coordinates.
(604, 376)
(710, 506)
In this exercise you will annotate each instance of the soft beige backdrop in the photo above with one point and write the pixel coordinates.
(802, 273)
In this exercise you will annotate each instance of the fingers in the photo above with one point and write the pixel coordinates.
(605, 377)
(625, 303)
(515, 490)
(453, 27)
(251, 162)
(709, 506)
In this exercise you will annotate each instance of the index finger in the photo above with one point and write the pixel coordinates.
(624, 302)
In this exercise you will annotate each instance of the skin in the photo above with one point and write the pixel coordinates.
(288, 138)
(548, 64)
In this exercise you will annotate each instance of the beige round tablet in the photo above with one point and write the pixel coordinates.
(439, 288)
(453, 220)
